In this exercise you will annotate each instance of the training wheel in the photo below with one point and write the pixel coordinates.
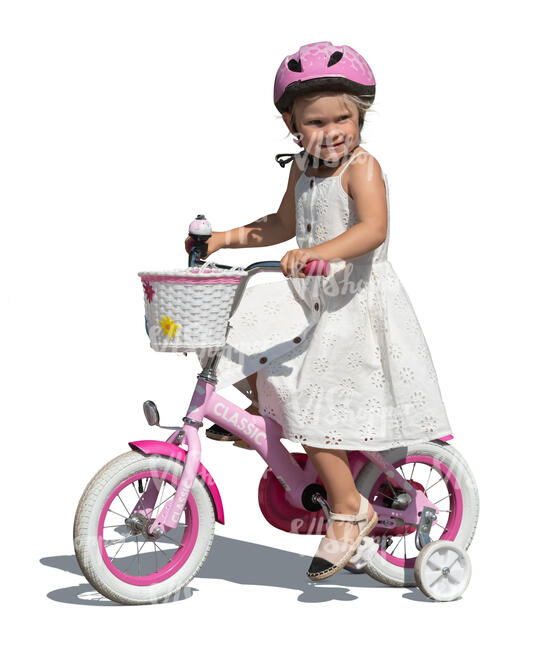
(442, 570)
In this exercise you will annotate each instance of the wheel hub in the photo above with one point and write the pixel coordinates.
(138, 524)
(398, 499)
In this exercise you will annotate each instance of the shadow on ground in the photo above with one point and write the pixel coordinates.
(244, 563)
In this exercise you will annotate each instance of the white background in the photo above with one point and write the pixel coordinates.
(120, 122)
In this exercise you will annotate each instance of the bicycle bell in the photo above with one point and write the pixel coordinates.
(200, 232)
(200, 229)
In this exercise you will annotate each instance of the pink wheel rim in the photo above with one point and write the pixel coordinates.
(454, 520)
(183, 552)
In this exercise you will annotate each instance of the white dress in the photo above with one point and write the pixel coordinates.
(341, 361)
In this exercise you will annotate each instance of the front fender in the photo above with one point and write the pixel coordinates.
(173, 451)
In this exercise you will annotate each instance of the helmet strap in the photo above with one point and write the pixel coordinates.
(312, 161)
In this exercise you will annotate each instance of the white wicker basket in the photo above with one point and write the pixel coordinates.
(188, 309)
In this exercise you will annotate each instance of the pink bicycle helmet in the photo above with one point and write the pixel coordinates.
(322, 66)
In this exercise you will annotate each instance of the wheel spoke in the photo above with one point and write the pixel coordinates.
(116, 513)
(136, 493)
(113, 542)
(119, 549)
(130, 563)
(442, 527)
(163, 552)
(384, 495)
(438, 481)
(413, 468)
(113, 525)
(158, 506)
(138, 553)
(161, 487)
(446, 497)
(428, 478)
(396, 546)
(172, 540)
(123, 504)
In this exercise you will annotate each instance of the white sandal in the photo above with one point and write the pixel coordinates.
(332, 555)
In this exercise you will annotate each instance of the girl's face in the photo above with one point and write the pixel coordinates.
(327, 126)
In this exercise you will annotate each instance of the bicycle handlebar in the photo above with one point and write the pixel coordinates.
(200, 232)
(314, 267)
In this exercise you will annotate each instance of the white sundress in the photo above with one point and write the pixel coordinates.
(341, 361)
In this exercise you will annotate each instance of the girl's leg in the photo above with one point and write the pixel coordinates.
(252, 408)
(252, 383)
(334, 471)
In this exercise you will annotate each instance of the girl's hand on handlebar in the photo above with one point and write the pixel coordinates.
(293, 262)
(215, 242)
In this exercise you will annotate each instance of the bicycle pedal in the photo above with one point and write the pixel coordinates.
(242, 444)
(216, 432)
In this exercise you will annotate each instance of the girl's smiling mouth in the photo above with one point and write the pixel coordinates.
(331, 146)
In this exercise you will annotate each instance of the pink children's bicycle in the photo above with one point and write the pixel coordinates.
(145, 523)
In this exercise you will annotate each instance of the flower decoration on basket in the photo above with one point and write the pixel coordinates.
(148, 290)
(168, 327)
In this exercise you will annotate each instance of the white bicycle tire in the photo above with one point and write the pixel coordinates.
(86, 524)
(381, 569)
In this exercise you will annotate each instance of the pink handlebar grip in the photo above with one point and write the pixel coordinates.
(316, 267)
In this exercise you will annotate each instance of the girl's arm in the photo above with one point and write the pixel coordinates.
(268, 230)
(367, 188)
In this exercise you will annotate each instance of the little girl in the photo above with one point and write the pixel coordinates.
(339, 361)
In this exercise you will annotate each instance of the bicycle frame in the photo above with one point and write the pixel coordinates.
(264, 435)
